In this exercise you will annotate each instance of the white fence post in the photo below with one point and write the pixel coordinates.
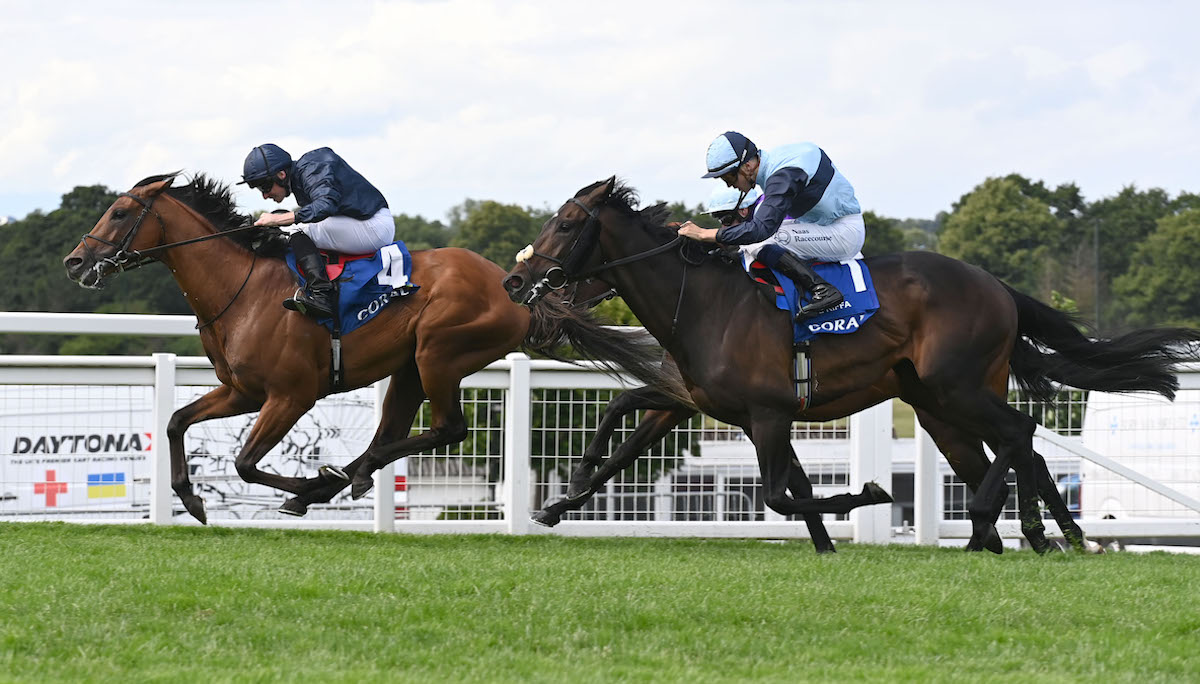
(871, 460)
(517, 426)
(160, 450)
(927, 509)
(385, 477)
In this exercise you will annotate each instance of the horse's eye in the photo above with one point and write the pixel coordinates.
(565, 226)
(118, 214)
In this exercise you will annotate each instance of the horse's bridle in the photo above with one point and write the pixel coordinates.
(125, 259)
(556, 277)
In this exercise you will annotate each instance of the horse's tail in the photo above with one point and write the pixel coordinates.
(618, 351)
(1051, 349)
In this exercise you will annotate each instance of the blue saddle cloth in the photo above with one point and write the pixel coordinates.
(366, 283)
(852, 278)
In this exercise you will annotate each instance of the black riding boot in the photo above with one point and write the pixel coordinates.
(824, 295)
(316, 299)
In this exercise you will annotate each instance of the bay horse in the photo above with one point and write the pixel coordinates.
(945, 339)
(277, 362)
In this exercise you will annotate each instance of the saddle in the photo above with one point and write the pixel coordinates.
(363, 284)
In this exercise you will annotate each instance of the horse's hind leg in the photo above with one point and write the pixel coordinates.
(1010, 434)
(400, 406)
(656, 424)
(1058, 508)
(221, 402)
(964, 452)
(440, 381)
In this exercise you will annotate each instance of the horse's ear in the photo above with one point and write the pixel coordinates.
(609, 185)
(154, 188)
(600, 194)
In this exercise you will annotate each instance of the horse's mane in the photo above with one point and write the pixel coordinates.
(652, 219)
(213, 200)
(624, 198)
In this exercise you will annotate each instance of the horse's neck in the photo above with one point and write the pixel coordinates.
(212, 273)
(672, 304)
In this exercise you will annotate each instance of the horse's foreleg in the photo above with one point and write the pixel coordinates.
(221, 402)
(278, 415)
(801, 488)
(400, 405)
(771, 433)
(618, 407)
(655, 425)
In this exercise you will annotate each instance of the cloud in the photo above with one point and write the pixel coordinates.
(526, 102)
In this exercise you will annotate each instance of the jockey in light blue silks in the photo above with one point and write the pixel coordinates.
(808, 211)
(730, 206)
(339, 211)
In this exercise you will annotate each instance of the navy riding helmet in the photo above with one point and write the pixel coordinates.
(264, 161)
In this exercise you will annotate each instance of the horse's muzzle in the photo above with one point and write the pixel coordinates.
(85, 271)
(514, 284)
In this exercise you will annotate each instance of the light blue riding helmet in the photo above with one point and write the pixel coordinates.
(727, 152)
(724, 199)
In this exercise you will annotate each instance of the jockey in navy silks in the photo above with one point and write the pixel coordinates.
(338, 210)
(808, 211)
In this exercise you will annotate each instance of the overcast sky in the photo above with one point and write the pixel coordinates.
(526, 102)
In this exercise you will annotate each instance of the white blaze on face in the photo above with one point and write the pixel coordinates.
(524, 254)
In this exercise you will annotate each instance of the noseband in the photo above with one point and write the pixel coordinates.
(123, 258)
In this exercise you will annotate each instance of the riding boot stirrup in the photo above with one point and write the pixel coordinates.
(824, 295)
(317, 298)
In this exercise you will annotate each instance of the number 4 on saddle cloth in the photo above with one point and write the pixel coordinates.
(363, 283)
(851, 277)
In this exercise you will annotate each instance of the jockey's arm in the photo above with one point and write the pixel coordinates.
(323, 189)
(779, 192)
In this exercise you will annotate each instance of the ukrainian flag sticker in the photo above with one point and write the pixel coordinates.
(106, 485)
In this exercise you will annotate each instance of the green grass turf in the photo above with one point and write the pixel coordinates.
(213, 604)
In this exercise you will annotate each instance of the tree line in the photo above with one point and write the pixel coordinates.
(1118, 262)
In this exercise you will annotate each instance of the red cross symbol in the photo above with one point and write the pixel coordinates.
(50, 488)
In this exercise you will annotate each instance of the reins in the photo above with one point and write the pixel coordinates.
(124, 259)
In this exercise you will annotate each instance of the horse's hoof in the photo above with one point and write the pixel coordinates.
(876, 494)
(293, 507)
(826, 551)
(195, 506)
(992, 541)
(1090, 546)
(545, 518)
(360, 487)
(332, 473)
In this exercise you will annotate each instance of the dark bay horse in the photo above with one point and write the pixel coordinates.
(277, 362)
(945, 340)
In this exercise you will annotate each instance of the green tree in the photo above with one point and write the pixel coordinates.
(921, 233)
(419, 233)
(884, 235)
(497, 231)
(1114, 223)
(1161, 283)
(1000, 228)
